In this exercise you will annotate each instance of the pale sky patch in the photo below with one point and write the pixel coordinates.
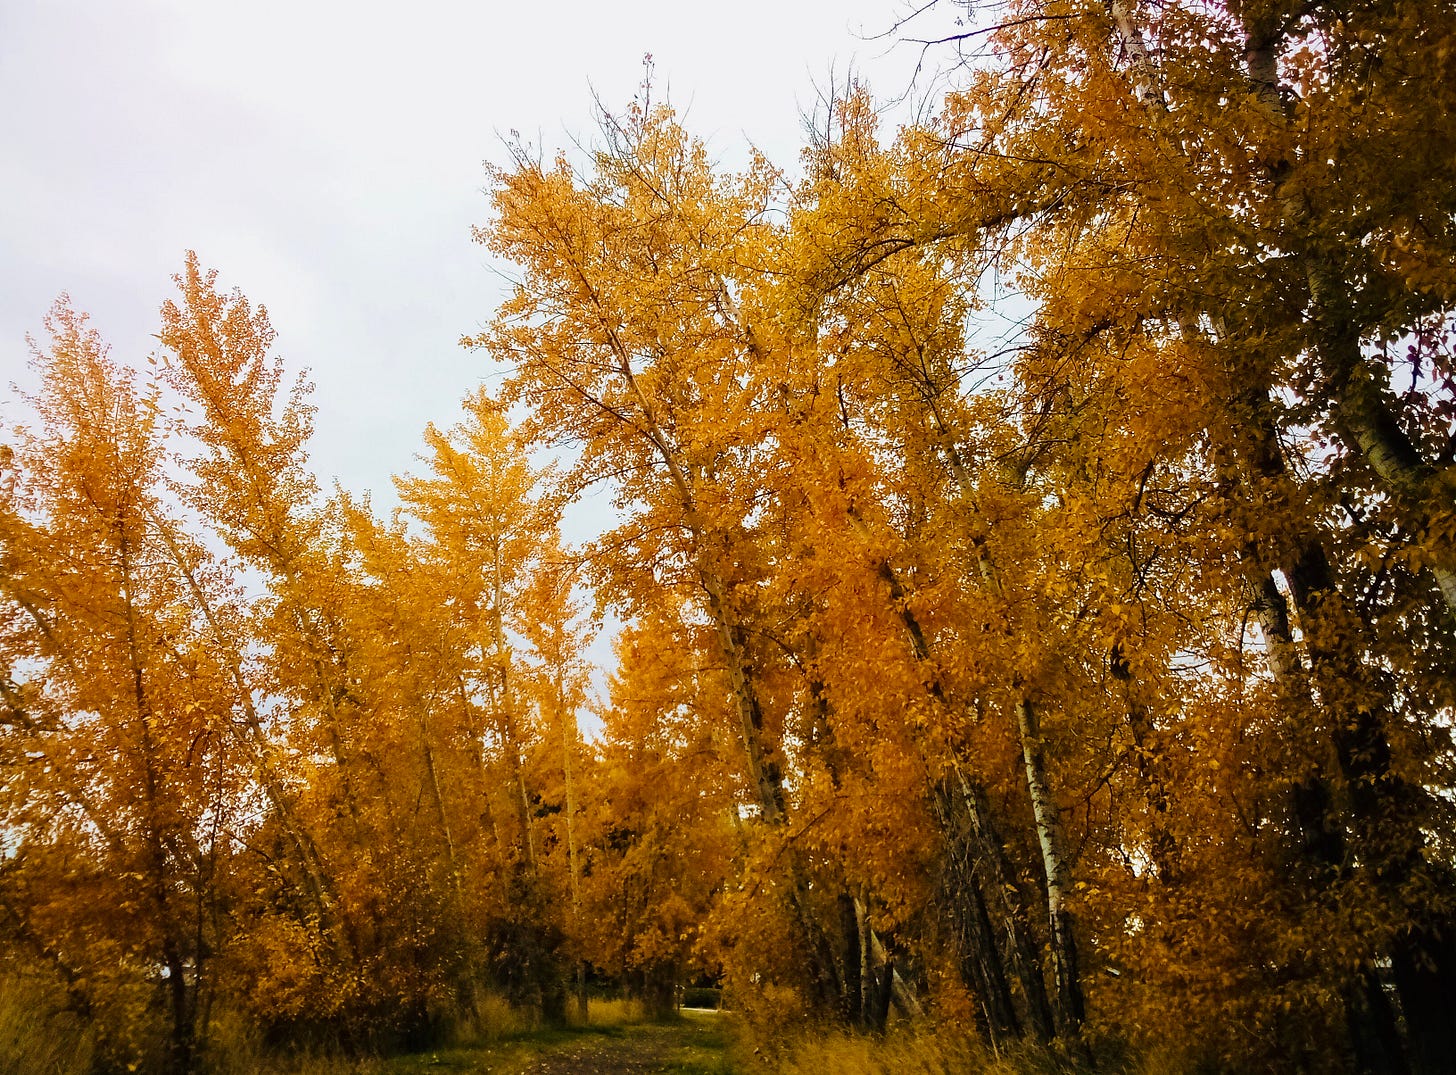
(328, 159)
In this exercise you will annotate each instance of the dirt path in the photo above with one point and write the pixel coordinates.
(688, 1046)
(695, 1044)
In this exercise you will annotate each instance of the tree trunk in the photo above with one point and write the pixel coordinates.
(856, 959)
(659, 991)
(1023, 952)
(981, 966)
(900, 995)
(988, 851)
(1163, 845)
(500, 656)
(181, 1023)
(1423, 960)
(1384, 810)
(1368, 425)
(438, 800)
(568, 749)
(1071, 1008)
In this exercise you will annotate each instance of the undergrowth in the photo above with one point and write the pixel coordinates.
(37, 1033)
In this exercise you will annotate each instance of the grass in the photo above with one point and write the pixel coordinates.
(917, 1052)
(37, 1035)
(695, 1044)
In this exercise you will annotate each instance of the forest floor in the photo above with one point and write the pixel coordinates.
(694, 1044)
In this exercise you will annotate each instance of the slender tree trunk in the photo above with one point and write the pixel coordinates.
(256, 741)
(998, 882)
(1367, 423)
(1369, 427)
(855, 960)
(1384, 810)
(182, 1024)
(1071, 1009)
(989, 854)
(569, 736)
(438, 800)
(981, 966)
(1163, 845)
(764, 773)
(900, 993)
(1070, 1006)
(506, 714)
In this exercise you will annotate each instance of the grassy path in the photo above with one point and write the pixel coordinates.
(695, 1044)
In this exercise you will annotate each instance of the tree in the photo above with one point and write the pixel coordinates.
(348, 920)
(489, 536)
(1201, 189)
(662, 843)
(121, 783)
(626, 342)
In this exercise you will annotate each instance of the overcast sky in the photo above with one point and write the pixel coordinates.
(327, 158)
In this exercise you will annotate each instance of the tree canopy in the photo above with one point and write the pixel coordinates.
(1086, 684)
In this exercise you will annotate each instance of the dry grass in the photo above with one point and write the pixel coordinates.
(493, 1029)
(921, 1050)
(617, 1012)
(234, 1046)
(36, 1035)
(930, 1050)
(492, 1018)
(848, 1054)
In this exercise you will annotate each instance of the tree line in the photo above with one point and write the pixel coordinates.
(1090, 686)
